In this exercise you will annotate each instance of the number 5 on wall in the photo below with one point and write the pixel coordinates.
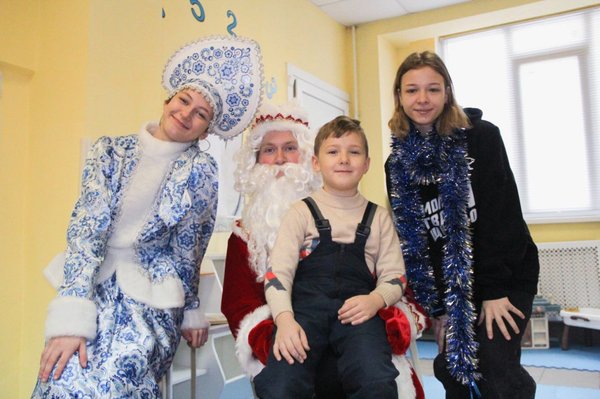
(199, 18)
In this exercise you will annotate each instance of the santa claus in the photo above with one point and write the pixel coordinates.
(273, 171)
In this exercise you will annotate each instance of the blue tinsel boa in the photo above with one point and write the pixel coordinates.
(418, 160)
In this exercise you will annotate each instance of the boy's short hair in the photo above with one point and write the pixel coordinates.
(338, 127)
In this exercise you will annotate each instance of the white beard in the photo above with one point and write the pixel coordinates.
(269, 197)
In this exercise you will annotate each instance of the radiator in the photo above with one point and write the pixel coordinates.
(570, 273)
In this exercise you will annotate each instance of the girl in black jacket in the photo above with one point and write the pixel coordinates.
(469, 256)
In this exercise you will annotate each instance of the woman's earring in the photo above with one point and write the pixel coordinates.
(207, 145)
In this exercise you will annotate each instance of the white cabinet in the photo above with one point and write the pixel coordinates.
(218, 373)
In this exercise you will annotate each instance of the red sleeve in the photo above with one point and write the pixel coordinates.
(241, 292)
(397, 328)
(260, 340)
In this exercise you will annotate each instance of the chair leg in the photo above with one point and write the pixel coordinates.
(564, 342)
(166, 386)
(193, 371)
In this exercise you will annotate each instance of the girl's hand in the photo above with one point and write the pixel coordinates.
(57, 352)
(360, 308)
(195, 337)
(499, 310)
(290, 339)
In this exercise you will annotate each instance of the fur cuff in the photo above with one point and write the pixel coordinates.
(239, 231)
(418, 321)
(71, 316)
(406, 387)
(166, 294)
(194, 319)
(54, 272)
(251, 365)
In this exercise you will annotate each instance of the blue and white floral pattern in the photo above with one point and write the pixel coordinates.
(171, 243)
(134, 342)
(133, 349)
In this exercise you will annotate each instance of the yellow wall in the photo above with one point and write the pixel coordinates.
(389, 41)
(19, 31)
(14, 103)
(75, 70)
(16, 62)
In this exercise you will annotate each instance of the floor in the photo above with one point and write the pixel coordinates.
(553, 383)
(545, 376)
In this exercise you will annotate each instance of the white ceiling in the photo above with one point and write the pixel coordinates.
(355, 12)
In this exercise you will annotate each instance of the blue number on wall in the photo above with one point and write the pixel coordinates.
(163, 13)
(199, 18)
(232, 25)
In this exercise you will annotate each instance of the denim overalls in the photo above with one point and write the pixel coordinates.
(331, 274)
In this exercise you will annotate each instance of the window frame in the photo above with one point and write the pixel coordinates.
(514, 62)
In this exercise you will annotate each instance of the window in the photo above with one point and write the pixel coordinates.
(539, 82)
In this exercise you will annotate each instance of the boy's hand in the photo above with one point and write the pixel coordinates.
(360, 308)
(290, 339)
(57, 352)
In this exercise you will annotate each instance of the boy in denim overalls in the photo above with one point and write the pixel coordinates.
(336, 262)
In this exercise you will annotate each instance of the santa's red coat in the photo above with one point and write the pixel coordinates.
(244, 305)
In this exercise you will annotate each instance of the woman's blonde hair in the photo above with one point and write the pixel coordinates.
(452, 116)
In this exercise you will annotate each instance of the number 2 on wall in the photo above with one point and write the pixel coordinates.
(233, 24)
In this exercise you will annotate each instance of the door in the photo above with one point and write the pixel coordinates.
(322, 100)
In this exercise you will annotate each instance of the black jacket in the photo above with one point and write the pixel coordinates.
(505, 257)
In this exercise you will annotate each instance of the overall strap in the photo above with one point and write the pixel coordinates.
(322, 224)
(364, 227)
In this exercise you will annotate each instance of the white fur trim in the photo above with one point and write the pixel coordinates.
(274, 117)
(165, 294)
(54, 272)
(406, 388)
(239, 231)
(193, 319)
(71, 316)
(279, 125)
(251, 365)
(417, 318)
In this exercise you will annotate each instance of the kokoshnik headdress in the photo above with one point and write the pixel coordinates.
(227, 71)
